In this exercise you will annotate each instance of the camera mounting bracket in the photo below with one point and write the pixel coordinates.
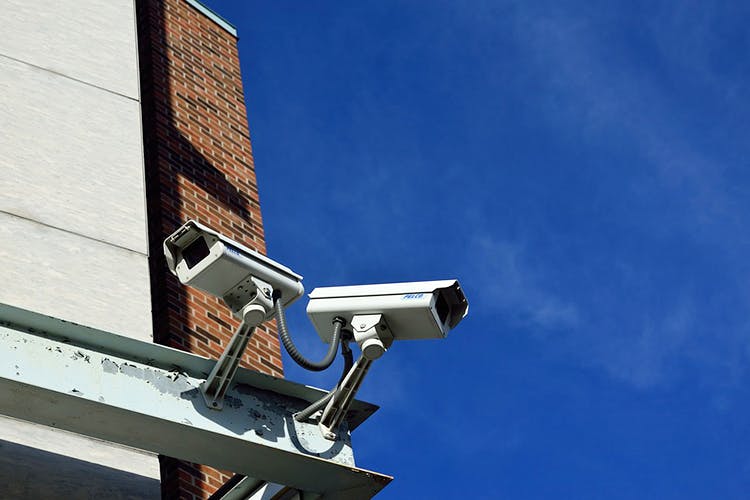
(373, 336)
(252, 314)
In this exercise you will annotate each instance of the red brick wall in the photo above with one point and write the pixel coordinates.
(199, 165)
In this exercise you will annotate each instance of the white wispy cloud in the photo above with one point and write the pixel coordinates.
(585, 88)
(509, 283)
(643, 352)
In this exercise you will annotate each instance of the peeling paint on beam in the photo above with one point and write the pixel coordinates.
(161, 356)
(139, 396)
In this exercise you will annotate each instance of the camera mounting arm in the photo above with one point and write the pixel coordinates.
(373, 336)
(343, 395)
(252, 314)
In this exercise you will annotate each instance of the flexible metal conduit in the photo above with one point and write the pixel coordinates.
(298, 358)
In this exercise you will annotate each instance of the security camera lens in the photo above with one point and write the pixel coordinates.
(442, 308)
(195, 252)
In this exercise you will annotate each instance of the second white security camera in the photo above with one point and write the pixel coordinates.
(378, 315)
(418, 310)
(209, 261)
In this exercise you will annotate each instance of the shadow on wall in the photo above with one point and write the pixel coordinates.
(27, 472)
(182, 183)
(179, 180)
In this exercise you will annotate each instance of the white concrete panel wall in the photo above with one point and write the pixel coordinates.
(72, 445)
(71, 277)
(73, 239)
(72, 156)
(86, 40)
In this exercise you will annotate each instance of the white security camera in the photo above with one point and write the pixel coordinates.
(248, 282)
(245, 279)
(404, 311)
(378, 315)
(419, 310)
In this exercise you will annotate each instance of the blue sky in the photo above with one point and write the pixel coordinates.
(582, 169)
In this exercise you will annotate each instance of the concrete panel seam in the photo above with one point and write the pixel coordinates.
(77, 80)
(104, 242)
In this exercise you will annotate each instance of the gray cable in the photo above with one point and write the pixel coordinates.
(298, 358)
(346, 352)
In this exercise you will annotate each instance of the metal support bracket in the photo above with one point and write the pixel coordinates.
(248, 488)
(215, 386)
(147, 396)
(372, 334)
(374, 337)
(343, 395)
(252, 314)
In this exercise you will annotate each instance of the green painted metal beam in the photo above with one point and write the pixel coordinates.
(146, 396)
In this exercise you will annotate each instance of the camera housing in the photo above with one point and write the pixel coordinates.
(416, 310)
(378, 315)
(203, 258)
